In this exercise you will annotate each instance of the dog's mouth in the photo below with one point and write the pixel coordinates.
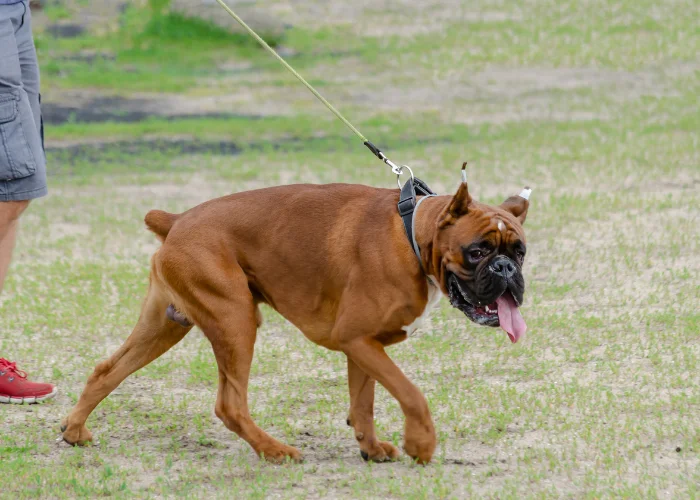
(502, 312)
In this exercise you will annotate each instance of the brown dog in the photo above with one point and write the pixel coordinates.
(336, 262)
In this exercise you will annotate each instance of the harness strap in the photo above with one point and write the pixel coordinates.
(408, 206)
(413, 225)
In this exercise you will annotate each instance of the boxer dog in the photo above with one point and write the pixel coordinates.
(336, 262)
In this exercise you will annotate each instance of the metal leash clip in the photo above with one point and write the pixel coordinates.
(398, 170)
(394, 167)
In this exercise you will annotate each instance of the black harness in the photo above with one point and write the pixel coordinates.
(408, 202)
(413, 188)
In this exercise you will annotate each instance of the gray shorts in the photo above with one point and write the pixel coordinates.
(22, 158)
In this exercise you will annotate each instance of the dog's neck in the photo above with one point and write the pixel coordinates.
(425, 229)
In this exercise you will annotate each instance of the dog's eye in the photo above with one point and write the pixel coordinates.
(476, 255)
(520, 255)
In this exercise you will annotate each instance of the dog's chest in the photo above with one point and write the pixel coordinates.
(434, 295)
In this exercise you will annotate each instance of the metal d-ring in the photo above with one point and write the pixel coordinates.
(400, 171)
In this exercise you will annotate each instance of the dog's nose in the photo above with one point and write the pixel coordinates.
(504, 267)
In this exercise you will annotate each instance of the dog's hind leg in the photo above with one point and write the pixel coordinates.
(234, 356)
(216, 296)
(153, 335)
(361, 416)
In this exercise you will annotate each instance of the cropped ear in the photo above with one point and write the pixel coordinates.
(459, 206)
(518, 205)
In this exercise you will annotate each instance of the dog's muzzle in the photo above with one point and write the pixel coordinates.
(496, 302)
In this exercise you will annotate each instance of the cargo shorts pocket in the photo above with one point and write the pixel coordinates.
(16, 157)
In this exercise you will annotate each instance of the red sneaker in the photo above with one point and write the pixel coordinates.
(15, 388)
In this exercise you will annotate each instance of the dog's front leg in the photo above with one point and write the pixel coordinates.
(361, 416)
(369, 356)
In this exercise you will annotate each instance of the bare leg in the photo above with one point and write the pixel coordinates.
(152, 336)
(362, 416)
(9, 221)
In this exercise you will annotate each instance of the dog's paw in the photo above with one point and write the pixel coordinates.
(75, 435)
(381, 451)
(422, 453)
(280, 453)
(419, 441)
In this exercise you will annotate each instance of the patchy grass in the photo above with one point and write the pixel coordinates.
(593, 105)
(150, 51)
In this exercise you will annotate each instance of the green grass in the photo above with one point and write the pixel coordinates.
(57, 12)
(150, 51)
(593, 105)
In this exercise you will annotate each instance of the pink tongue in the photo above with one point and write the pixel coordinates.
(510, 318)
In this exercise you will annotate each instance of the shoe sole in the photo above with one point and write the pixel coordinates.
(28, 401)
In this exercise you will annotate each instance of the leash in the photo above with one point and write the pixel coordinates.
(398, 170)
(411, 189)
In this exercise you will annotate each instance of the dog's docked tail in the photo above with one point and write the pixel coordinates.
(160, 222)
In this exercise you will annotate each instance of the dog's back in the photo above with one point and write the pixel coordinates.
(298, 245)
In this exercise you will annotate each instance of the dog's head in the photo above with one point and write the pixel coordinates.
(480, 254)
